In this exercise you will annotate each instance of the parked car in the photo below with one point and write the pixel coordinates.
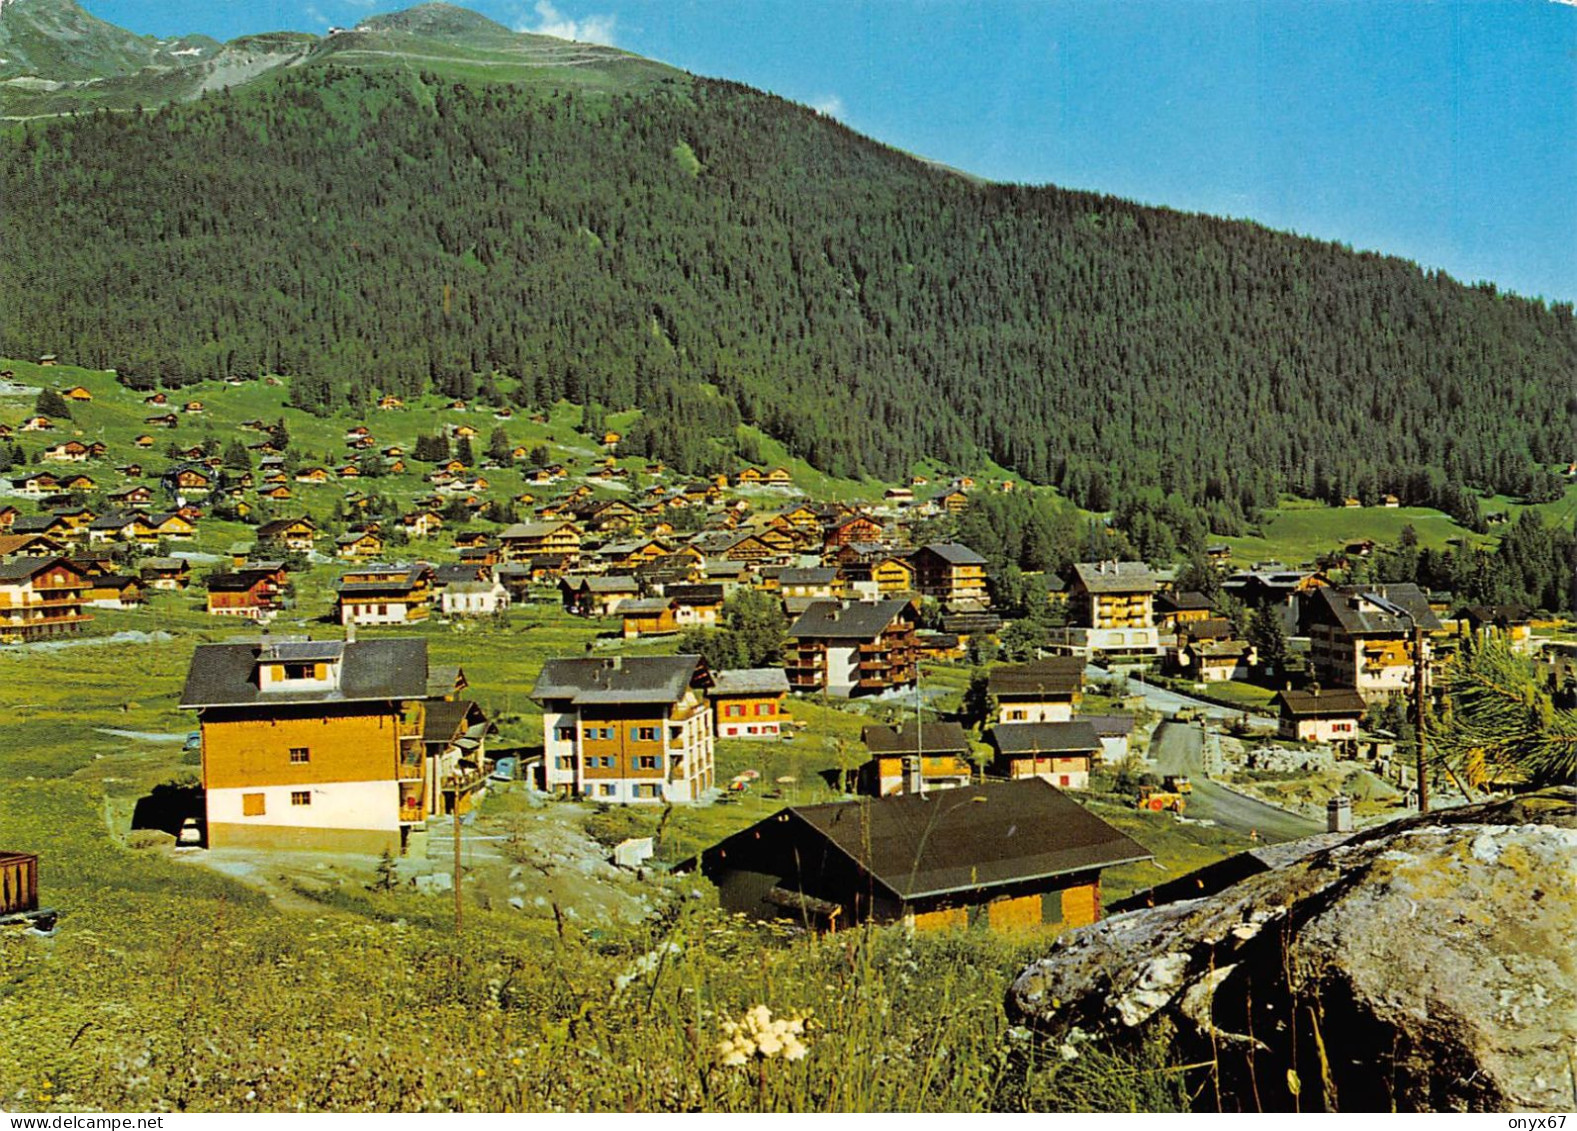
(506, 769)
(194, 741)
(191, 834)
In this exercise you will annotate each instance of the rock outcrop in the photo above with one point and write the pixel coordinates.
(1429, 965)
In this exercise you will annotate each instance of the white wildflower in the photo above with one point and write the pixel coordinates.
(759, 1035)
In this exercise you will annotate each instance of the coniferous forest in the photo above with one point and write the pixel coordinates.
(716, 256)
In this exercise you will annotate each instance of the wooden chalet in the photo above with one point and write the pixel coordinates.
(254, 593)
(852, 648)
(1060, 753)
(932, 862)
(626, 730)
(750, 703)
(298, 535)
(41, 598)
(385, 594)
(1320, 714)
(950, 572)
(330, 745)
(1042, 691)
(914, 758)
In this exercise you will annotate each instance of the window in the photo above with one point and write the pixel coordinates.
(649, 762)
(607, 761)
(643, 734)
(564, 734)
(646, 791)
(565, 762)
(606, 789)
(252, 805)
(763, 709)
(301, 797)
(1015, 716)
(735, 710)
(300, 671)
(300, 755)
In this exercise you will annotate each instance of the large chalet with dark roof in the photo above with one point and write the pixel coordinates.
(853, 648)
(1007, 856)
(626, 730)
(328, 744)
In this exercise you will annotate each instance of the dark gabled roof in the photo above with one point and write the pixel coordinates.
(239, 581)
(1109, 726)
(450, 573)
(952, 553)
(791, 575)
(751, 681)
(643, 606)
(1345, 608)
(843, 620)
(971, 837)
(24, 568)
(1076, 737)
(621, 679)
(523, 530)
(280, 525)
(1055, 675)
(967, 623)
(700, 594)
(399, 578)
(222, 675)
(1190, 600)
(1322, 702)
(448, 720)
(164, 564)
(1115, 577)
(36, 523)
(934, 738)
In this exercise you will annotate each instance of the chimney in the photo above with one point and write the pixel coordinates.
(350, 632)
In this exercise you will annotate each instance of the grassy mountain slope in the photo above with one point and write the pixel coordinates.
(56, 41)
(60, 59)
(383, 217)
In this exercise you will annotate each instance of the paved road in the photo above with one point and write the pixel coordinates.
(1168, 702)
(1178, 748)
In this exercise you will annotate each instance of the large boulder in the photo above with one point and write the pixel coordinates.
(1428, 965)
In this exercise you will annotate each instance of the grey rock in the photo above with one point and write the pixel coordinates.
(1426, 965)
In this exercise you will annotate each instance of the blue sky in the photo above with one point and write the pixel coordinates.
(1444, 132)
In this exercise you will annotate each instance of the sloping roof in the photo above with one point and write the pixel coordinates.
(222, 675)
(1115, 577)
(1322, 703)
(644, 606)
(838, 620)
(934, 738)
(621, 679)
(1190, 600)
(1076, 737)
(24, 568)
(701, 594)
(1370, 609)
(1110, 726)
(953, 553)
(972, 837)
(794, 576)
(750, 681)
(1056, 675)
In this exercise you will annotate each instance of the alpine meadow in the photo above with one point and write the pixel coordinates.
(535, 580)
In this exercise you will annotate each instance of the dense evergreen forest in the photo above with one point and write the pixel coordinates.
(716, 256)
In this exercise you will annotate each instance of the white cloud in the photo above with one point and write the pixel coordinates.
(830, 105)
(550, 21)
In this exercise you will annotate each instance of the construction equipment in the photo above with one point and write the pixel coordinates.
(1179, 783)
(1155, 800)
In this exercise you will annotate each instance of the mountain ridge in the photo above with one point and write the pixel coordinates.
(719, 258)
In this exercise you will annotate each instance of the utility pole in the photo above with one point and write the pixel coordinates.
(1420, 668)
(459, 902)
